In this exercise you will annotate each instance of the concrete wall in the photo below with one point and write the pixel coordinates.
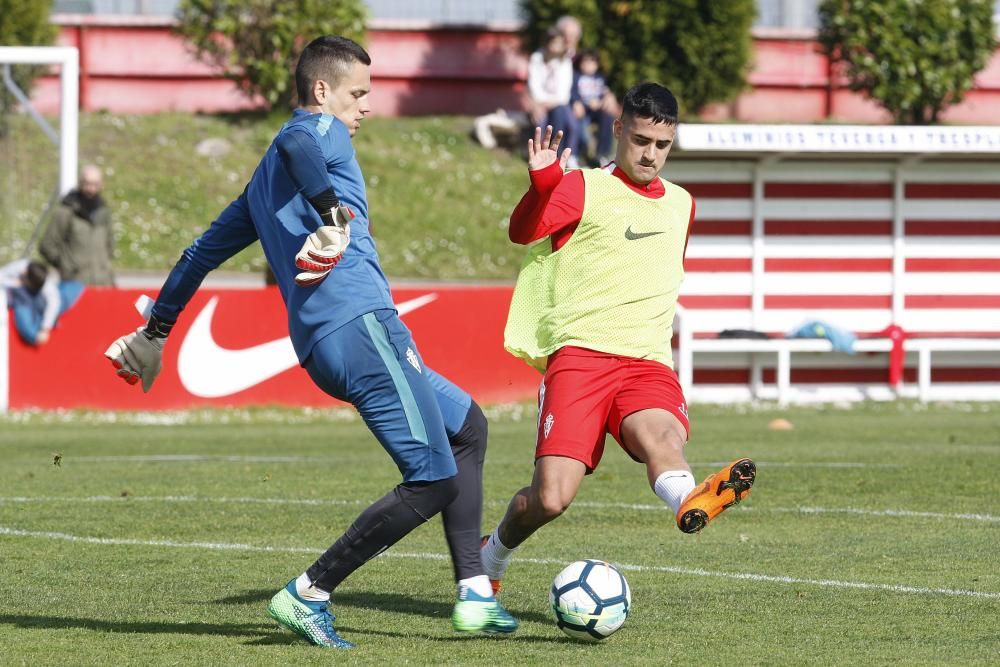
(137, 65)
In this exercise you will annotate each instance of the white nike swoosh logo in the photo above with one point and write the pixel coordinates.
(209, 371)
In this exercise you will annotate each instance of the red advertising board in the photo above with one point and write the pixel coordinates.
(231, 347)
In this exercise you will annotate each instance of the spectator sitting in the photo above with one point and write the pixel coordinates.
(37, 297)
(79, 241)
(510, 128)
(593, 103)
(572, 30)
(550, 82)
(500, 128)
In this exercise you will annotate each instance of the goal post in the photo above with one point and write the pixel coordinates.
(68, 58)
(4, 353)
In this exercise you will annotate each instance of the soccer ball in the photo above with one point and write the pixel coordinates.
(591, 600)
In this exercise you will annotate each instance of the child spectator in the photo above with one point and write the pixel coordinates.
(592, 103)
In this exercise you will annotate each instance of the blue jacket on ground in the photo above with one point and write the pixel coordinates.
(843, 341)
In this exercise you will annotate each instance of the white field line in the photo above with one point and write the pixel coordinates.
(188, 458)
(792, 464)
(234, 458)
(183, 499)
(988, 518)
(893, 513)
(317, 502)
(699, 572)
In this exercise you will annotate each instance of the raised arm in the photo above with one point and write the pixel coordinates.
(553, 201)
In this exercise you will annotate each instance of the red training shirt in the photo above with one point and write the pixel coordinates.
(553, 205)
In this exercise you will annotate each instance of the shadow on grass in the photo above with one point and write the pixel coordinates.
(143, 627)
(358, 634)
(249, 597)
(391, 602)
(261, 634)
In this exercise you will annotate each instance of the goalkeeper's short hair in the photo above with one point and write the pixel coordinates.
(326, 58)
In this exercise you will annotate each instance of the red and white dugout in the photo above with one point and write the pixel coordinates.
(862, 227)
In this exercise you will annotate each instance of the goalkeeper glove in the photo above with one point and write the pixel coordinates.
(324, 247)
(139, 355)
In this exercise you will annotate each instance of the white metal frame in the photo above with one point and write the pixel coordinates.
(4, 352)
(783, 348)
(68, 58)
(925, 346)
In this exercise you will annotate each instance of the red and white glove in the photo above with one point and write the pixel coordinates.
(137, 356)
(325, 247)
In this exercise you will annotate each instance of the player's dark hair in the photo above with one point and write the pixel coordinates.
(651, 100)
(34, 277)
(326, 58)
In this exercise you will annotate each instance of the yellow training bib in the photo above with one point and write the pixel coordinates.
(613, 286)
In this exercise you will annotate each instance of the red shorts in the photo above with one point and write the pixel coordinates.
(586, 394)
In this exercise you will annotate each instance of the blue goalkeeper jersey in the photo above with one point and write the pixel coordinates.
(274, 210)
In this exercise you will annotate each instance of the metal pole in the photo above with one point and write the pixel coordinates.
(4, 353)
(25, 103)
(68, 118)
(757, 247)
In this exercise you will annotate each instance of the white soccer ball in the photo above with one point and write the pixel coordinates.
(590, 599)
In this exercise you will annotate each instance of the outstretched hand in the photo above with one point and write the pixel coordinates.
(137, 356)
(543, 151)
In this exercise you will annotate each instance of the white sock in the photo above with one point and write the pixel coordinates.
(673, 486)
(480, 585)
(496, 557)
(306, 591)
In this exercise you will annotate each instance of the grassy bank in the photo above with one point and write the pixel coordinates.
(439, 201)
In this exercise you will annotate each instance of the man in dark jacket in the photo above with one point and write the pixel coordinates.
(79, 241)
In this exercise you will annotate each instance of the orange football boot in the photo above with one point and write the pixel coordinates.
(494, 583)
(725, 488)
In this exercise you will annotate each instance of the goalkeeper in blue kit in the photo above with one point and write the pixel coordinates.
(307, 205)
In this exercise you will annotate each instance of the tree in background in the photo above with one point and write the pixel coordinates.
(257, 42)
(23, 23)
(700, 49)
(913, 57)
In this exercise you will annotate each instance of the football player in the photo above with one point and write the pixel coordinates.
(593, 309)
(307, 205)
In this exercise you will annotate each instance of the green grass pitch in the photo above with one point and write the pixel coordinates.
(871, 537)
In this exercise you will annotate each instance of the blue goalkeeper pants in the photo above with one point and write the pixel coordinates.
(373, 363)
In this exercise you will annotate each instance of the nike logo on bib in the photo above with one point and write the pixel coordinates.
(632, 236)
(210, 371)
